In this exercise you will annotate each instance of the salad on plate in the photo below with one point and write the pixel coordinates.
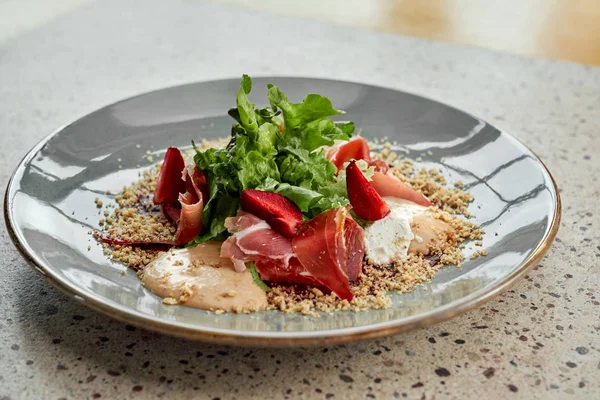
(294, 211)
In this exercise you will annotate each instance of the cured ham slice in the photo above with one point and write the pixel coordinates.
(354, 241)
(331, 247)
(328, 250)
(254, 240)
(172, 212)
(195, 181)
(293, 272)
(242, 221)
(355, 149)
(380, 166)
(190, 220)
(181, 191)
(388, 185)
(384, 182)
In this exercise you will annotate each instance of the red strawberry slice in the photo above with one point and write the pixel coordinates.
(169, 183)
(356, 149)
(282, 214)
(365, 201)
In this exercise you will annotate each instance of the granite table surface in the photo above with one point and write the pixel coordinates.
(539, 340)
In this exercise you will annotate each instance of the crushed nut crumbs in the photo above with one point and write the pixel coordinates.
(136, 218)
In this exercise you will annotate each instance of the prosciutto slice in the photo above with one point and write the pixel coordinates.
(272, 254)
(380, 166)
(327, 251)
(355, 149)
(181, 191)
(254, 240)
(293, 272)
(386, 184)
(331, 248)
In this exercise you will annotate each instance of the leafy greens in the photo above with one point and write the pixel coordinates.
(277, 149)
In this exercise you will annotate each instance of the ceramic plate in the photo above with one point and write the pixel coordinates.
(50, 210)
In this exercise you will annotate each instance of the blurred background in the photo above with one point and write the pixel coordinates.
(556, 29)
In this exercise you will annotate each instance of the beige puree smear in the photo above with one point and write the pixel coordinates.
(199, 277)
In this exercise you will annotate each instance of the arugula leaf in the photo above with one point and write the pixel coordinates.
(254, 168)
(255, 277)
(310, 170)
(324, 132)
(214, 213)
(276, 149)
(267, 138)
(314, 106)
(328, 202)
(304, 198)
(245, 107)
(346, 127)
(266, 114)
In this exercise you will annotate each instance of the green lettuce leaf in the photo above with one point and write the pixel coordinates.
(276, 149)
(255, 277)
(324, 132)
(313, 107)
(254, 168)
(245, 108)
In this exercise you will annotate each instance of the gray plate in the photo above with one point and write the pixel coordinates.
(50, 210)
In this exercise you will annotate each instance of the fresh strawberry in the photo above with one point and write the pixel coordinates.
(169, 183)
(365, 201)
(282, 214)
(356, 149)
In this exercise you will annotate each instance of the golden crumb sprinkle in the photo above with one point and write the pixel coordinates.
(170, 301)
(479, 253)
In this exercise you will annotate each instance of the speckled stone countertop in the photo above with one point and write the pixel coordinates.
(539, 340)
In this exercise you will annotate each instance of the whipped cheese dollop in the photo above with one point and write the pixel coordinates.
(389, 238)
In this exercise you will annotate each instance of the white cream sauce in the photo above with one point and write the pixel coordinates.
(409, 228)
